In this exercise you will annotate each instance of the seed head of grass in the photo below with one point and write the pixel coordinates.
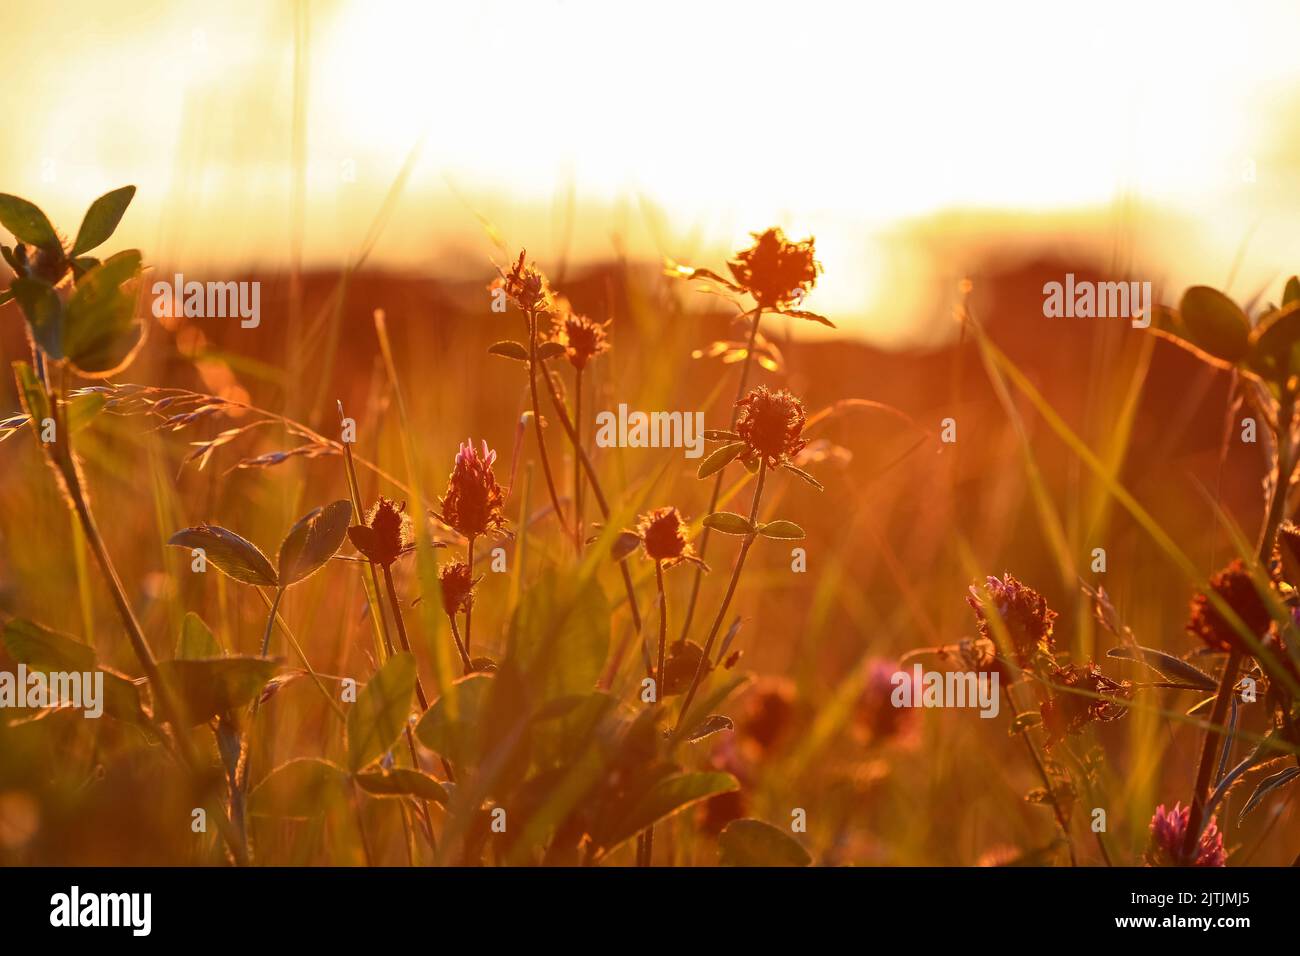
(771, 424)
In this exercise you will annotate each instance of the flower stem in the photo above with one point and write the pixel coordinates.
(658, 676)
(577, 457)
(717, 483)
(455, 633)
(726, 600)
(1284, 467)
(469, 605)
(1061, 819)
(601, 501)
(537, 416)
(61, 457)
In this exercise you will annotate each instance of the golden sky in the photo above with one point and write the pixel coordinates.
(1166, 130)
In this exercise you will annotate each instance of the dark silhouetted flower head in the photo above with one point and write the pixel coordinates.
(384, 534)
(777, 272)
(771, 424)
(1023, 611)
(472, 504)
(663, 537)
(1067, 713)
(1169, 833)
(1235, 586)
(583, 339)
(457, 583)
(525, 286)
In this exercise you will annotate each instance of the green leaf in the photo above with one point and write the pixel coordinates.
(666, 797)
(559, 636)
(728, 522)
(1267, 786)
(313, 541)
(1215, 322)
(26, 222)
(805, 476)
(44, 313)
(624, 545)
(197, 641)
(510, 350)
(713, 724)
(214, 687)
(1166, 664)
(379, 716)
(782, 530)
(45, 650)
(1273, 342)
(719, 459)
(549, 350)
(1292, 291)
(402, 782)
(297, 789)
(749, 842)
(100, 328)
(230, 554)
(720, 434)
(102, 218)
(42, 649)
(449, 728)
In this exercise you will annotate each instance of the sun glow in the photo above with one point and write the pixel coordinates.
(674, 128)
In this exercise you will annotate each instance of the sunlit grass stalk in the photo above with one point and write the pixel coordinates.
(601, 501)
(658, 677)
(1283, 468)
(702, 548)
(533, 365)
(402, 638)
(745, 545)
(61, 456)
(1062, 820)
(577, 457)
(469, 607)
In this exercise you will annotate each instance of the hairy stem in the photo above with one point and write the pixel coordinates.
(469, 605)
(601, 501)
(726, 600)
(455, 633)
(1061, 819)
(658, 677)
(537, 416)
(717, 482)
(1283, 468)
(577, 457)
(61, 456)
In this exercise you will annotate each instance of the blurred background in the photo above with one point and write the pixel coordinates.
(354, 156)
